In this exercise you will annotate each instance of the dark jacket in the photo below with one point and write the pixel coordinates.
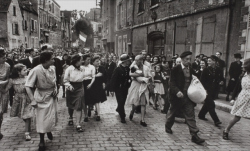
(26, 62)
(110, 69)
(11, 63)
(235, 70)
(210, 80)
(177, 82)
(237, 87)
(120, 80)
(196, 66)
(36, 61)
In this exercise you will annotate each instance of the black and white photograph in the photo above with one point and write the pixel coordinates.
(124, 75)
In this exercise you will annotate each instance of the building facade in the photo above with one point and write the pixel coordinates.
(11, 33)
(124, 20)
(66, 29)
(50, 23)
(30, 27)
(94, 15)
(202, 27)
(108, 14)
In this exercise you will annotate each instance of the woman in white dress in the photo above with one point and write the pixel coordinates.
(241, 107)
(138, 93)
(44, 99)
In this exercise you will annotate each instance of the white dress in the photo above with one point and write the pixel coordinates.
(242, 105)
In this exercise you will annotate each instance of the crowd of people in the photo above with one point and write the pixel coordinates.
(30, 85)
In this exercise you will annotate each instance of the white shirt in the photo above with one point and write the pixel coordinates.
(31, 59)
(73, 75)
(89, 72)
(182, 66)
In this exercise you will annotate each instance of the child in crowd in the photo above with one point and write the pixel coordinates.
(21, 104)
(159, 89)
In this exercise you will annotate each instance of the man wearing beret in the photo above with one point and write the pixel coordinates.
(120, 83)
(180, 80)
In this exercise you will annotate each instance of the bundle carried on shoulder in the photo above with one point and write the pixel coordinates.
(196, 91)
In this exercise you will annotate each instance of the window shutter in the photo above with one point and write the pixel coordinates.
(13, 30)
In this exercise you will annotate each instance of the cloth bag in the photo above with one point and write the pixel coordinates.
(196, 91)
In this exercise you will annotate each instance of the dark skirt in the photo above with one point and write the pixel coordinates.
(75, 99)
(95, 94)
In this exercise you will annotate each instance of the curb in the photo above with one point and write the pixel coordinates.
(222, 106)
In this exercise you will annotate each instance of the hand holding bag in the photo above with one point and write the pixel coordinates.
(196, 91)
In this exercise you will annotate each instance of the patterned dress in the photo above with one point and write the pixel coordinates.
(4, 96)
(242, 105)
(21, 104)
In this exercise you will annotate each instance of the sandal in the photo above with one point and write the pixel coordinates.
(27, 137)
(225, 135)
(79, 129)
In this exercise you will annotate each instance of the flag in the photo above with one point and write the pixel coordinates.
(82, 36)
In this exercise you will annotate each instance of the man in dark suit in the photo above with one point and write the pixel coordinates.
(120, 83)
(180, 80)
(196, 64)
(235, 71)
(10, 61)
(29, 52)
(110, 67)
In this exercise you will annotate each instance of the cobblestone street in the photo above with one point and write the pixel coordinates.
(109, 134)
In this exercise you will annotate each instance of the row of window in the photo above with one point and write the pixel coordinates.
(15, 27)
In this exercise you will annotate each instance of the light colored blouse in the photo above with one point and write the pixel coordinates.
(73, 75)
(89, 72)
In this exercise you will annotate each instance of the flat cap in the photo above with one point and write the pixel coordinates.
(185, 53)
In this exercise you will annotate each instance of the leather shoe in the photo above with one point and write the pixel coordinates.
(1, 136)
(203, 118)
(196, 139)
(50, 136)
(42, 147)
(168, 130)
(217, 123)
(123, 121)
(143, 124)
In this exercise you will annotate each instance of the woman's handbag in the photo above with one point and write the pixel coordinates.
(196, 91)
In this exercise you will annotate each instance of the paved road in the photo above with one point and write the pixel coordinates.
(109, 134)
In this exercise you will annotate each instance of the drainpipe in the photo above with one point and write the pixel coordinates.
(132, 24)
(231, 9)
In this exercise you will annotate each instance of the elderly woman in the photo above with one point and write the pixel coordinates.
(241, 106)
(138, 93)
(4, 96)
(43, 77)
(73, 79)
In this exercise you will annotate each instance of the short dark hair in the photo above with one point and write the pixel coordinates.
(205, 62)
(28, 50)
(2, 52)
(44, 47)
(246, 65)
(84, 57)
(17, 68)
(94, 58)
(159, 60)
(158, 65)
(75, 59)
(45, 56)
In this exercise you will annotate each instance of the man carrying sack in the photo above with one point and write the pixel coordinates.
(180, 79)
